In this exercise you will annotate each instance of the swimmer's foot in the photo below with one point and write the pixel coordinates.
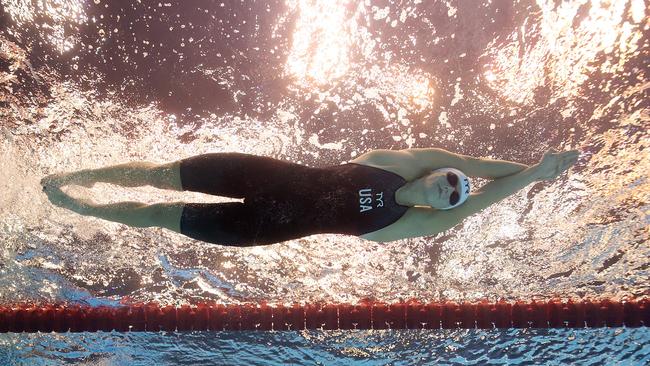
(80, 178)
(48, 181)
(58, 198)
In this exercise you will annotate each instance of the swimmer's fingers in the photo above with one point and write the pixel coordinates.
(571, 161)
(555, 163)
(570, 155)
(569, 158)
(551, 165)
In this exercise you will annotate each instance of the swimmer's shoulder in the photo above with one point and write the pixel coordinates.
(391, 161)
(417, 221)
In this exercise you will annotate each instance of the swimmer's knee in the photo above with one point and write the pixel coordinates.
(166, 176)
(165, 215)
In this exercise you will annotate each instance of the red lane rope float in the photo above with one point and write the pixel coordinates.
(364, 315)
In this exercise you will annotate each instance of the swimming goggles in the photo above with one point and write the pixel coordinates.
(453, 181)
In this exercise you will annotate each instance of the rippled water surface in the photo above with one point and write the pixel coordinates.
(524, 347)
(88, 84)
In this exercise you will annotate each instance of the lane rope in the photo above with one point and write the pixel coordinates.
(411, 314)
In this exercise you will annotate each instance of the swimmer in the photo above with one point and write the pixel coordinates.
(382, 195)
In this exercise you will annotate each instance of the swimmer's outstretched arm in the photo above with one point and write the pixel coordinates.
(427, 159)
(550, 167)
(434, 158)
(425, 221)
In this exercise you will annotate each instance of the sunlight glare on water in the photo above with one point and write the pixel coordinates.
(564, 53)
(320, 50)
(331, 40)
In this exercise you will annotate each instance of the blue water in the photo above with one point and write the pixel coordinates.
(445, 347)
(85, 84)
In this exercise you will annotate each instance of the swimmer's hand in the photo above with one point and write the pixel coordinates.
(555, 163)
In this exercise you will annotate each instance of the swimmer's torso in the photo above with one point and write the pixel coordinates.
(350, 199)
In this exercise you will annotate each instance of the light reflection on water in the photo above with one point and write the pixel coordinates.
(566, 42)
(92, 84)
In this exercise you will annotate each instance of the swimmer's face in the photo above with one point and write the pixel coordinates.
(442, 189)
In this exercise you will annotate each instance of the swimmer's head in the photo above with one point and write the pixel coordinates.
(447, 188)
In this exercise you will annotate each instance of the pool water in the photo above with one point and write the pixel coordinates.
(85, 84)
(444, 347)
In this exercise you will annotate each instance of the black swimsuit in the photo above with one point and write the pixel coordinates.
(283, 200)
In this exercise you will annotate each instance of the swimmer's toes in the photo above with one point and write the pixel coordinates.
(60, 180)
(47, 183)
(53, 179)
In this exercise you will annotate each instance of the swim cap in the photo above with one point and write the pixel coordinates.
(465, 186)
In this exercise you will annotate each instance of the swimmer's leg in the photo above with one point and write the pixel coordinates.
(135, 174)
(135, 214)
(230, 223)
(237, 175)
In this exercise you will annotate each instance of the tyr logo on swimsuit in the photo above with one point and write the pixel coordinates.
(365, 199)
